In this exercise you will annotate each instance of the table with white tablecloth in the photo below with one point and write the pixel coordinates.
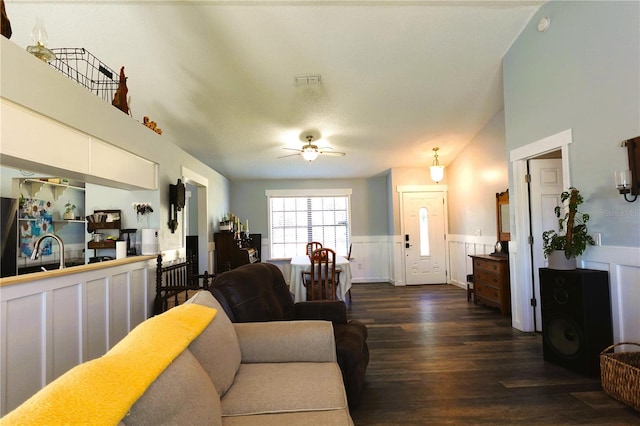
(302, 263)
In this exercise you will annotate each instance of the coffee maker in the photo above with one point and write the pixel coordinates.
(131, 240)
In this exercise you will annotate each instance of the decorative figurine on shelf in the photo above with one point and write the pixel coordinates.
(5, 24)
(152, 125)
(120, 97)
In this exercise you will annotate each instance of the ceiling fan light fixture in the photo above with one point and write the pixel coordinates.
(309, 153)
(437, 171)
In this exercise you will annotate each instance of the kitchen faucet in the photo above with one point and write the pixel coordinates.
(36, 247)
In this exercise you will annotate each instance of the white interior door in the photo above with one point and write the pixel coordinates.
(423, 224)
(544, 191)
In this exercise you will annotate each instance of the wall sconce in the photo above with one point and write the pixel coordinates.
(176, 203)
(627, 180)
(437, 171)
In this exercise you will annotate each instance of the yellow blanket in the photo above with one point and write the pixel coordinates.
(103, 390)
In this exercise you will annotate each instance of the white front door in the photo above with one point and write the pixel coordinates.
(424, 237)
(544, 191)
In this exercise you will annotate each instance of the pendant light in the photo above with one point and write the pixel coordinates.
(437, 171)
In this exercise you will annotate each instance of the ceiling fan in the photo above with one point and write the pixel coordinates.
(310, 151)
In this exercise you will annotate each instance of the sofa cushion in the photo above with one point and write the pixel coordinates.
(255, 292)
(182, 394)
(217, 347)
(302, 418)
(286, 341)
(285, 387)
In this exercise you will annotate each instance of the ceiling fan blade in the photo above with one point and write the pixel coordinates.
(292, 149)
(333, 153)
(290, 155)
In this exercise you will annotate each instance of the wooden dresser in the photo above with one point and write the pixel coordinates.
(229, 256)
(491, 282)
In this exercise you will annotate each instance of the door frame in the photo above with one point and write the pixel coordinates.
(401, 189)
(520, 263)
(202, 185)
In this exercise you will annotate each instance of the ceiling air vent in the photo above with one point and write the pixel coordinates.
(307, 80)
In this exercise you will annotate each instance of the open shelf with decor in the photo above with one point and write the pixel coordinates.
(102, 220)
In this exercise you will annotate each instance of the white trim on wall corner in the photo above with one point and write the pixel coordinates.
(190, 175)
(542, 146)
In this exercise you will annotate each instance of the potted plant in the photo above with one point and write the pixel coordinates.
(68, 212)
(562, 247)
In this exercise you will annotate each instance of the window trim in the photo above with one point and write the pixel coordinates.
(321, 192)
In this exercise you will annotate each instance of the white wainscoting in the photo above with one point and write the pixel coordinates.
(622, 263)
(460, 248)
(51, 325)
(371, 259)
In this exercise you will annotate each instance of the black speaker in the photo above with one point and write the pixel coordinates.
(576, 318)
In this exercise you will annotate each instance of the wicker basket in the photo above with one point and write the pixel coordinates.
(620, 374)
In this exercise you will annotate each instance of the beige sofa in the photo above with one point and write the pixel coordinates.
(272, 373)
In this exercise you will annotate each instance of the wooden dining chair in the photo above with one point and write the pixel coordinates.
(312, 246)
(322, 280)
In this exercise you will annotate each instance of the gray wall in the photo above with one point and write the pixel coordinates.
(369, 201)
(583, 73)
(475, 176)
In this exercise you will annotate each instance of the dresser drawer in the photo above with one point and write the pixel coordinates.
(489, 293)
(486, 265)
(489, 278)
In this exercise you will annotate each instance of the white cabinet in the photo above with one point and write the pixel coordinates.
(29, 136)
(113, 163)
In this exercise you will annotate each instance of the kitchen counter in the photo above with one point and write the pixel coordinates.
(49, 266)
(19, 279)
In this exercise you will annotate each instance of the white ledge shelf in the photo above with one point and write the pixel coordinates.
(34, 186)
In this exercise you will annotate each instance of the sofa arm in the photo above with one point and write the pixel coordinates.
(286, 341)
(334, 311)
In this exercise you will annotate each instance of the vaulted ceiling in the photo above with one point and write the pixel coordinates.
(397, 78)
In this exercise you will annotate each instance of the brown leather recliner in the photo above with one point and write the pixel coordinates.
(258, 292)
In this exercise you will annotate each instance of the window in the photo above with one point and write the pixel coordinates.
(296, 220)
(424, 232)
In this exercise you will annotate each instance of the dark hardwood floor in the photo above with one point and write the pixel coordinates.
(438, 359)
